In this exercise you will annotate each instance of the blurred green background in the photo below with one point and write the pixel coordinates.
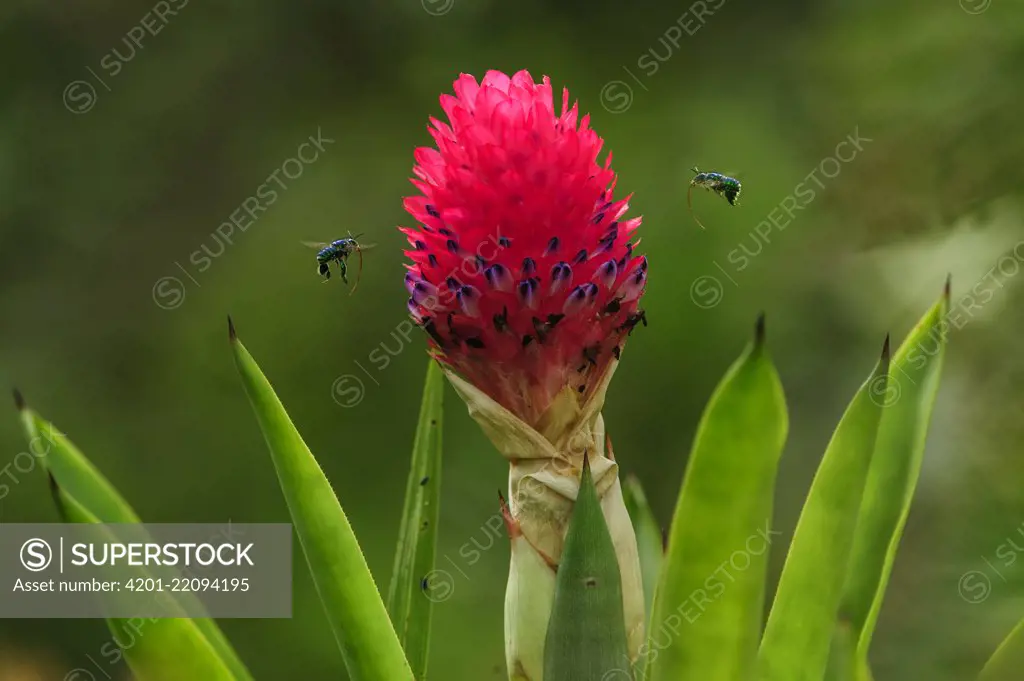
(117, 167)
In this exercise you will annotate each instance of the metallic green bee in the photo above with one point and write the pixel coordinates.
(728, 187)
(338, 251)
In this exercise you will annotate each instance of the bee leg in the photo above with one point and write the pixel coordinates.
(343, 270)
(324, 271)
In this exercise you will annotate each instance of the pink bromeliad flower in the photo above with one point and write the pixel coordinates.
(524, 272)
(524, 277)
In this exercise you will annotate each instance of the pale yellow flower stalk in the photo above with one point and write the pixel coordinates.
(544, 474)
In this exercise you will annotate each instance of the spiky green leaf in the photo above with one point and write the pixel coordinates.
(586, 637)
(842, 655)
(649, 541)
(349, 595)
(1008, 659)
(408, 605)
(908, 398)
(798, 636)
(79, 479)
(74, 472)
(160, 649)
(709, 604)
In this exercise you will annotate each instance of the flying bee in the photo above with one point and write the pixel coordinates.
(728, 187)
(338, 251)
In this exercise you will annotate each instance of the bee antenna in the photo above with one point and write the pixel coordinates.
(689, 204)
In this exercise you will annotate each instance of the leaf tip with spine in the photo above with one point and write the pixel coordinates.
(886, 351)
(55, 494)
(759, 331)
(948, 288)
(19, 400)
(232, 336)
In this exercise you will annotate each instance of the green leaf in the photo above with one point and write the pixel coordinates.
(650, 544)
(908, 399)
(862, 670)
(408, 607)
(75, 472)
(354, 607)
(81, 480)
(798, 636)
(160, 649)
(586, 637)
(709, 604)
(1006, 663)
(842, 662)
(649, 541)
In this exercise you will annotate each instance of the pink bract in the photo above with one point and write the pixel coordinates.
(523, 272)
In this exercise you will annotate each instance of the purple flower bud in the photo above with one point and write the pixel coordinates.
(469, 300)
(561, 277)
(527, 290)
(498, 277)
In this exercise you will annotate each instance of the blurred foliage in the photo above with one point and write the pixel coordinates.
(97, 208)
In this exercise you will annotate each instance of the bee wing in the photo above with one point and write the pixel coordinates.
(315, 244)
(365, 247)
